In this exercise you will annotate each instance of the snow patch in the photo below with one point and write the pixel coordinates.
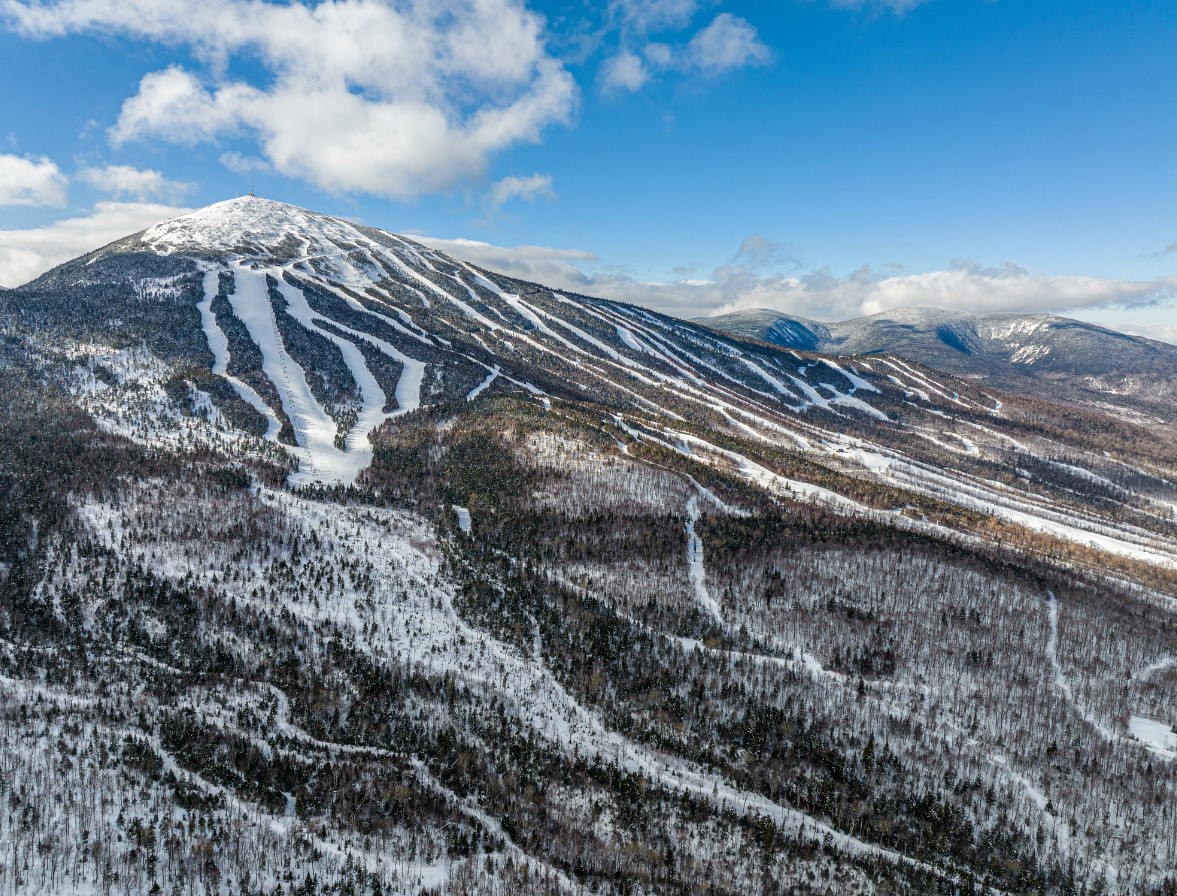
(463, 516)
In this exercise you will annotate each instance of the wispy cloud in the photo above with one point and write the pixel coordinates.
(726, 44)
(759, 254)
(898, 7)
(644, 16)
(536, 186)
(729, 42)
(537, 264)
(31, 181)
(243, 164)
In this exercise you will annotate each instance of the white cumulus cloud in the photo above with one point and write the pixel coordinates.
(625, 71)
(536, 186)
(125, 181)
(395, 99)
(25, 254)
(27, 181)
(729, 42)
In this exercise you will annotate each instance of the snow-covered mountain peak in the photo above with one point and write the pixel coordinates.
(251, 225)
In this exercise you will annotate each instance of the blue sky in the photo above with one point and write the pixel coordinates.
(824, 157)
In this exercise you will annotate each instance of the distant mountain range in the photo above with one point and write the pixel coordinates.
(1011, 350)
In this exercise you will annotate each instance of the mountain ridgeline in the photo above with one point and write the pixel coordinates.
(1030, 352)
(332, 564)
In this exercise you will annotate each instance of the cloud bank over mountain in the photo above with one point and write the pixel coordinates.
(821, 295)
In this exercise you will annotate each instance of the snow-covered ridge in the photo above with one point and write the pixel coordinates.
(1013, 348)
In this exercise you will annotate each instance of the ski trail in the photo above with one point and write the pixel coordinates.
(695, 561)
(408, 388)
(484, 385)
(402, 326)
(372, 396)
(1058, 826)
(1060, 679)
(314, 428)
(445, 294)
(344, 466)
(629, 340)
(811, 394)
(768, 377)
(1152, 669)
(766, 478)
(218, 344)
(857, 383)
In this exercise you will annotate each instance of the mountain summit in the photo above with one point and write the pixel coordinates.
(256, 227)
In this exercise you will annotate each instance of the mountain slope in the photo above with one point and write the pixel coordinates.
(333, 564)
(1010, 350)
(317, 332)
(389, 323)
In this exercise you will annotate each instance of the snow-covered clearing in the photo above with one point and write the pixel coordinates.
(1157, 736)
(463, 516)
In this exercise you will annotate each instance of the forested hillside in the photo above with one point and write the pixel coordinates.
(332, 565)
